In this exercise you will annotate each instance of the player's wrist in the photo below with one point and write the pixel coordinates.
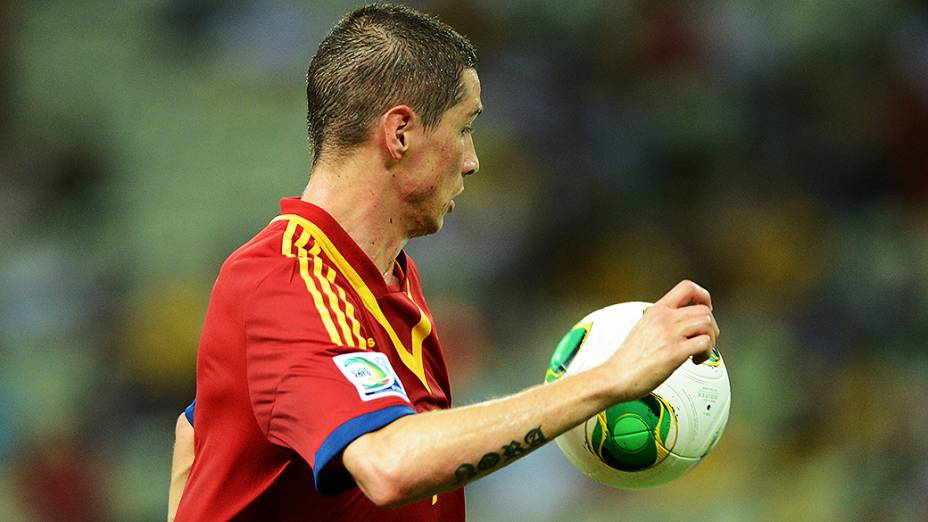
(607, 385)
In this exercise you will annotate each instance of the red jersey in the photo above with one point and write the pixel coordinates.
(304, 349)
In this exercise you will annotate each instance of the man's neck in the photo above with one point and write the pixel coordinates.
(363, 208)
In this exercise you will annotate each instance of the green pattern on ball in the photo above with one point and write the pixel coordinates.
(624, 435)
(565, 351)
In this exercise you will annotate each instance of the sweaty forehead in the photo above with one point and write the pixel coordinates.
(470, 103)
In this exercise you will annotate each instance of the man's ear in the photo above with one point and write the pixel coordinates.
(396, 125)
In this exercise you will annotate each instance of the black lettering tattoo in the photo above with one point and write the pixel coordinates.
(535, 438)
(514, 449)
(464, 472)
(489, 461)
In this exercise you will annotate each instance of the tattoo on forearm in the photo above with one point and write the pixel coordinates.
(464, 472)
(513, 450)
(488, 461)
(535, 438)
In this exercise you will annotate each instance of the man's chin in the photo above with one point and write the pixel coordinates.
(428, 227)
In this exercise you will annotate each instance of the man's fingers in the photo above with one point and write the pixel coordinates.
(686, 293)
(697, 319)
(700, 358)
(699, 348)
(700, 325)
(688, 313)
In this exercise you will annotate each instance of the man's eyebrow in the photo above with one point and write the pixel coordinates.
(474, 113)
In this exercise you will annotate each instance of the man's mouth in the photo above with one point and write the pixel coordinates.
(451, 202)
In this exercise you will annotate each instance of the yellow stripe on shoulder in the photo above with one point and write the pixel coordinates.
(412, 359)
(308, 280)
(334, 304)
(286, 245)
(349, 310)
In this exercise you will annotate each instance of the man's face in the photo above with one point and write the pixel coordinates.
(438, 166)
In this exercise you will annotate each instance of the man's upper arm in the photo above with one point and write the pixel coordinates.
(188, 411)
(309, 393)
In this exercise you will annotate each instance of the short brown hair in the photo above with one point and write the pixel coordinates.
(377, 57)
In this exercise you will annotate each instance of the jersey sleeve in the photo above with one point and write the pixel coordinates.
(188, 411)
(313, 391)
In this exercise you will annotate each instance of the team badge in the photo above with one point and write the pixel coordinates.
(371, 374)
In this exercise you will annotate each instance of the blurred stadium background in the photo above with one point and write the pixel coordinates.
(776, 152)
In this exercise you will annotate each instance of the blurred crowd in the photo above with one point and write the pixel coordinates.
(775, 152)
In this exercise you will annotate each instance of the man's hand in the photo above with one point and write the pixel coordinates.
(678, 326)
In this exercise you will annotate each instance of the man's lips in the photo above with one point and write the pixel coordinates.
(451, 203)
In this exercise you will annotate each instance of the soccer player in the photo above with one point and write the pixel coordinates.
(322, 392)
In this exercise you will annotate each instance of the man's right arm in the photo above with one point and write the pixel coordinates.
(181, 463)
(181, 460)
(420, 455)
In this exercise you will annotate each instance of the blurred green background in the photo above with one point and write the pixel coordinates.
(775, 152)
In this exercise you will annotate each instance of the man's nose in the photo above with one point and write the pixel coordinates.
(471, 162)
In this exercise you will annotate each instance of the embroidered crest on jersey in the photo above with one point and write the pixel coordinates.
(371, 374)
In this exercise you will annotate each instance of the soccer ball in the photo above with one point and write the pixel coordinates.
(649, 441)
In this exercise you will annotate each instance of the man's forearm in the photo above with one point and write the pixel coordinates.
(419, 455)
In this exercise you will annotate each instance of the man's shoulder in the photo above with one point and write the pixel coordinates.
(283, 267)
(257, 259)
(260, 245)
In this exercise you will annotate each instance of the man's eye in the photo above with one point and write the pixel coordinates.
(467, 130)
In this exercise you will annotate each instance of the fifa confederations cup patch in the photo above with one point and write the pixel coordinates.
(371, 374)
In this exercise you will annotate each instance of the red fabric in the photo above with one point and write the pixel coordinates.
(269, 395)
